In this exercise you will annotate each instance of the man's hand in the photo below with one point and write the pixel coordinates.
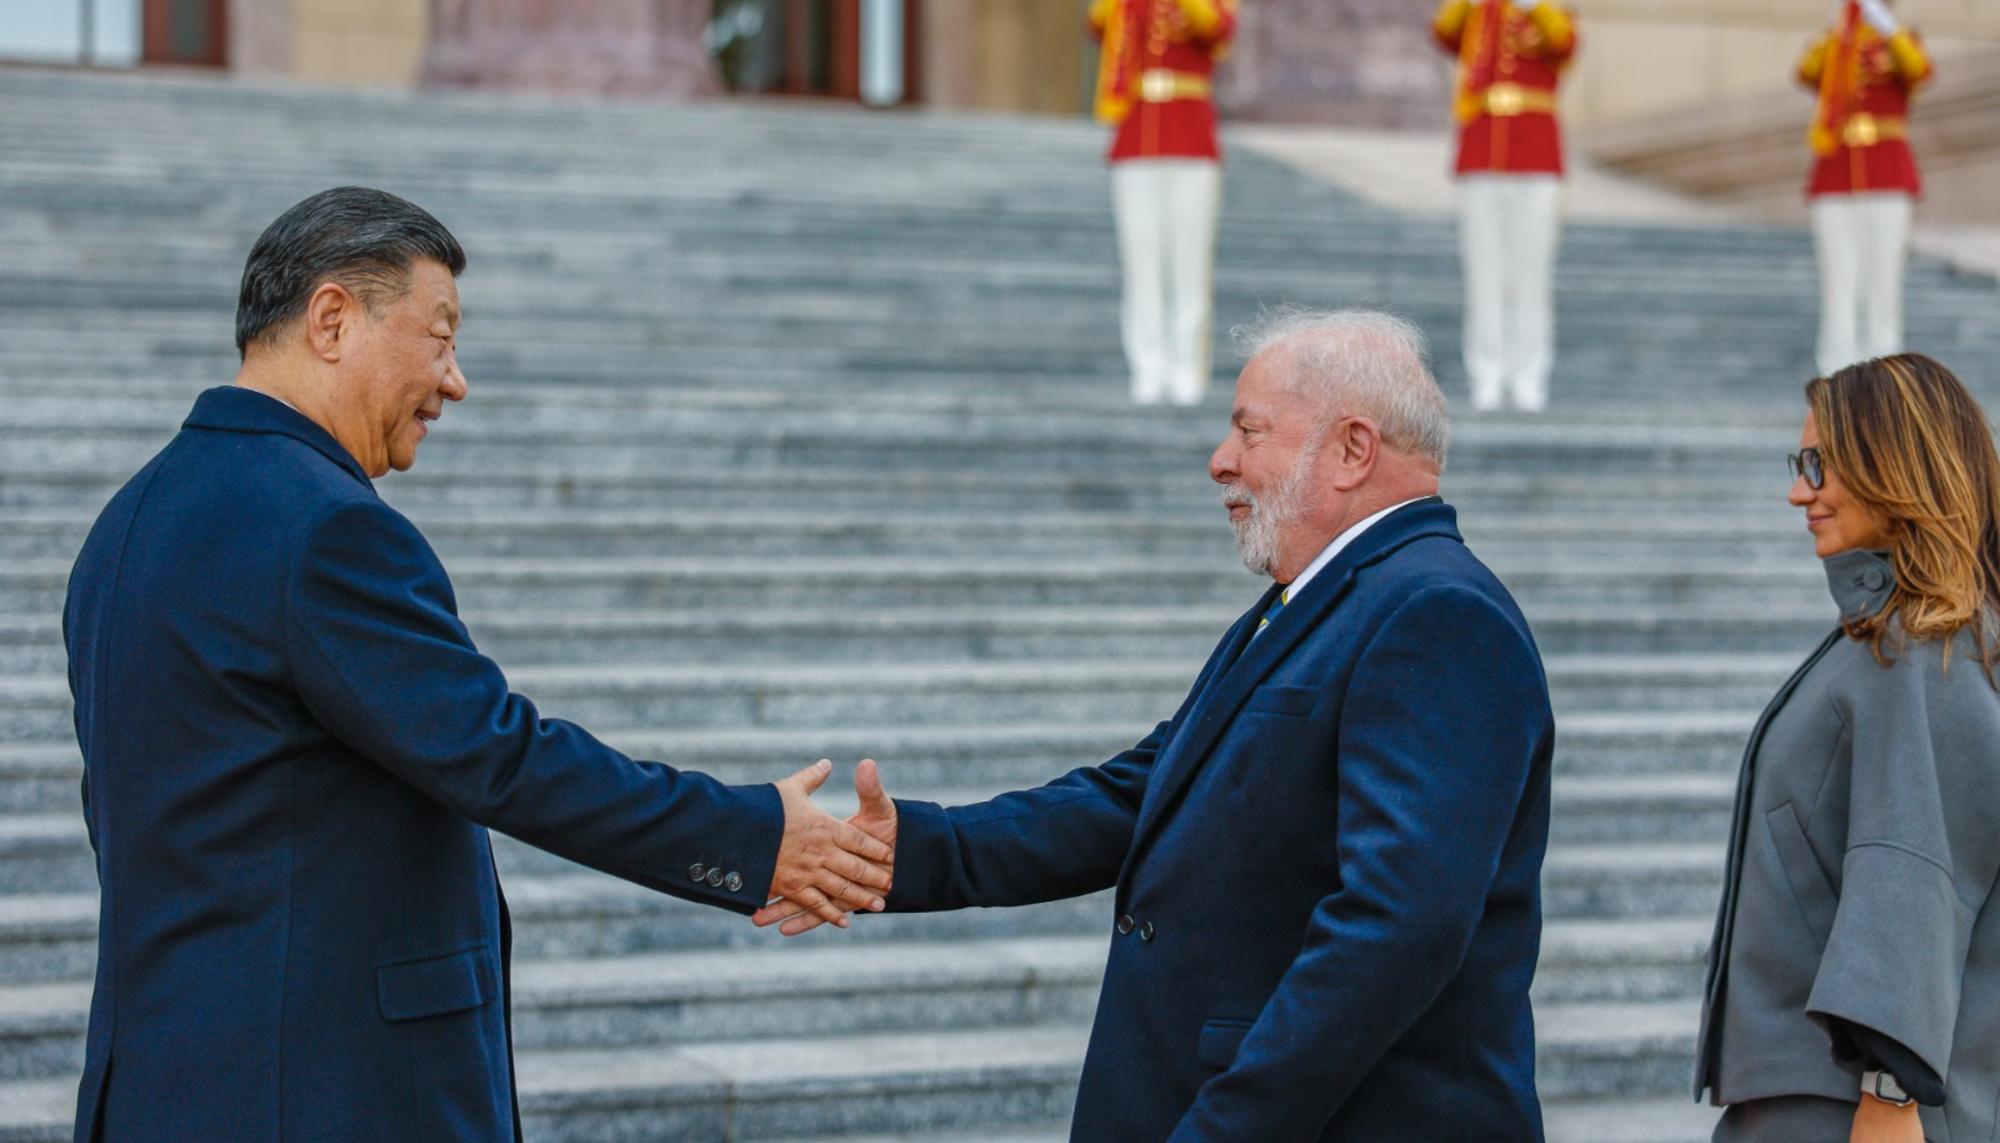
(826, 868)
(875, 819)
(1880, 18)
(1878, 1122)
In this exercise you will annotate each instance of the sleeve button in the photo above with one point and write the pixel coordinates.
(697, 871)
(733, 882)
(714, 878)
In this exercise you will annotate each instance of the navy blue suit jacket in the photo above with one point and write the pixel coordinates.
(1327, 866)
(291, 755)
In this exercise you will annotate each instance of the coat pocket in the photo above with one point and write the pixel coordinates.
(1808, 882)
(1219, 1041)
(1293, 701)
(435, 986)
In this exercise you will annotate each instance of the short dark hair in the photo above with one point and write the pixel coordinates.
(362, 238)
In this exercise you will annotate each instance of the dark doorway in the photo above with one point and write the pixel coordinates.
(806, 47)
(190, 32)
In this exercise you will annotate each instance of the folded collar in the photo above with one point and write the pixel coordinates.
(236, 409)
(1860, 582)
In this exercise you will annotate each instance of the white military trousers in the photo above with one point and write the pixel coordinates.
(1862, 241)
(1166, 211)
(1508, 228)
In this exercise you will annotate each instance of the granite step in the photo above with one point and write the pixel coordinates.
(42, 776)
(1665, 1119)
(1630, 880)
(749, 1090)
(45, 936)
(1617, 1049)
(48, 915)
(915, 1081)
(1700, 538)
(37, 1112)
(31, 643)
(48, 850)
(454, 453)
(916, 434)
(620, 696)
(831, 987)
(720, 582)
(425, 489)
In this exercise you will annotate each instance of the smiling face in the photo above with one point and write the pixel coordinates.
(399, 369)
(1839, 522)
(1266, 465)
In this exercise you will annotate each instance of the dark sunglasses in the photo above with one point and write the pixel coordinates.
(1807, 463)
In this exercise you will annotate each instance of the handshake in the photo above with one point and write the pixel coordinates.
(828, 868)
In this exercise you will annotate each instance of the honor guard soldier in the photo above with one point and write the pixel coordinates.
(1154, 84)
(1864, 182)
(1510, 58)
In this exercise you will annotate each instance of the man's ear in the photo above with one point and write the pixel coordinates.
(331, 315)
(1355, 443)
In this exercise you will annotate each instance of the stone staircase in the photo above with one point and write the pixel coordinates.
(798, 432)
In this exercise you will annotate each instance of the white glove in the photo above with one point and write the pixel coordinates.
(1880, 18)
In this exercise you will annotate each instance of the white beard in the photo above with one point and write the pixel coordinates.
(1257, 532)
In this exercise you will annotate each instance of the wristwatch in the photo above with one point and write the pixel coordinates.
(1883, 1086)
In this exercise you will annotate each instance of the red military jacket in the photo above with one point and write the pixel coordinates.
(1506, 99)
(1156, 73)
(1860, 129)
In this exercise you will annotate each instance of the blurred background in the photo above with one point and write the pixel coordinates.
(1696, 94)
(799, 427)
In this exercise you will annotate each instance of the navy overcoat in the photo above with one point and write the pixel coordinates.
(1327, 867)
(292, 753)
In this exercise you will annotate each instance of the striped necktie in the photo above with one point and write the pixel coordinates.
(1277, 605)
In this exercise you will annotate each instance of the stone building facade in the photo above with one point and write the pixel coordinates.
(1694, 93)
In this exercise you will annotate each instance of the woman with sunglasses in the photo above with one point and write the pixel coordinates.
(1854, 981)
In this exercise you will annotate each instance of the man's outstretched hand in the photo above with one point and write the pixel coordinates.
(826, 868)
(876, 820)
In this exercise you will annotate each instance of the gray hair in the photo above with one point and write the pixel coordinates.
(1358, 363)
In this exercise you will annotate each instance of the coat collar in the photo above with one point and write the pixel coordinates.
(1255, 658)
(235, 409)
(1860, 581)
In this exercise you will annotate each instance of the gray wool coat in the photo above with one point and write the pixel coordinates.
(1862, 864)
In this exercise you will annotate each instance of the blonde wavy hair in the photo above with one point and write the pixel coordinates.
(1908, 440)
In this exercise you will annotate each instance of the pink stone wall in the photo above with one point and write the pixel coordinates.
(608, 47)
(260, 37)
(1358, 62)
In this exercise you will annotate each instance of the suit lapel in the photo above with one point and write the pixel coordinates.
(1239, 637)
(1220, 661)
(1255, 658)
(1231, 687)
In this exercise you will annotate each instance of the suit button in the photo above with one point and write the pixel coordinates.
(697, 871)
(1124, 924)
(733, 882)
(715, 878)
(1146, 931)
